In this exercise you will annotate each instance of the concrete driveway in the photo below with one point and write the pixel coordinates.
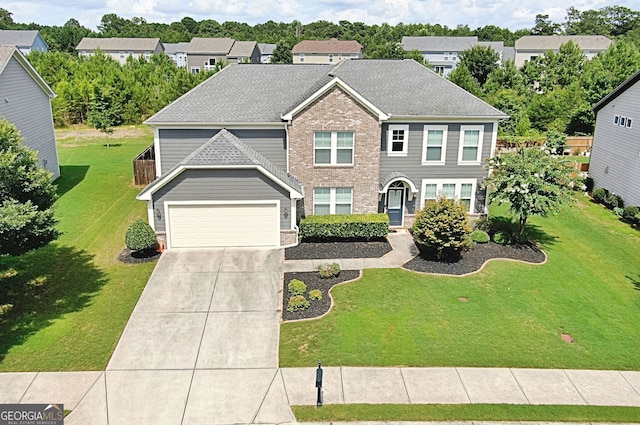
(200, 347)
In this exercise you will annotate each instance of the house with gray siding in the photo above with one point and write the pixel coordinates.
(530, 47)
(25, 101)
(120, 49)
(615, 154)
(177, 52)
(360, 136)
(204, 53)
(26, 41)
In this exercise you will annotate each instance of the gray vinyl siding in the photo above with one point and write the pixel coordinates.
(198, 59)
(28, 107)
(176, 145)
(615, 155)
(221, 185)
(411, 165)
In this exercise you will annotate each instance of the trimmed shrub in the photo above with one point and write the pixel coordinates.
(327, 271)
(315, 294)
(297, 303)
(140, 236)
(600, 194)
(613, 201)
(442, 229)
(501, 237)
(588, 184)
(480, 236)
(631, 214)
(297, 287)
(366, 227)
(483, 224)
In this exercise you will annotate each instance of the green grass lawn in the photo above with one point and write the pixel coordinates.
(514, 314)
(72, 299)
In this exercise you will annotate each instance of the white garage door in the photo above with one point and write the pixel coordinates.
(207, 225)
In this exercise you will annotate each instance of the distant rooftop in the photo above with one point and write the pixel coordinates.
(553, 42)
(115, 43)
(20, 38)
(327, 46)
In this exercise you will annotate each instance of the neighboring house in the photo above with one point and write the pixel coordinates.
(266, 52)
(25, 40)
(615, 154)
(177, 52)
(326, 51)
(530, 47)
(443, 53)
(204, 53)
(121, 48)
(25, 101)
(241, 157)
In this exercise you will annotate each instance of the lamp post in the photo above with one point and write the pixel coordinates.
(319, 383)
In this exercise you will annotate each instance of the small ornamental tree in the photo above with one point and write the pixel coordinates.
(140, 236)
(532, 181)
(442, 228)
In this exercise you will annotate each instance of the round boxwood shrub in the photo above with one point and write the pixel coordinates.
(501, 237)
(614, 201)
(140, 237)
(297, 303)
(631, 214)
(480, 236)
(315, 294)
(600, 195)
(327, 271)
(297, 287)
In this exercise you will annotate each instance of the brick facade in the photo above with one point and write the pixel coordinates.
(337, 111)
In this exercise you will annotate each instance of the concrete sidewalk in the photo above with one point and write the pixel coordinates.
(403, 250)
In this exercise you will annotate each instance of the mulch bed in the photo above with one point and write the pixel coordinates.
(313, 281)
(136, 257)
(473, 259)
(326, 250)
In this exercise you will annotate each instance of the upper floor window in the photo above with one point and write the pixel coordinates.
(622, 121)
(439, 69)
(332, 200)
(333, 148)
(195, 69)
(470, 144)
(301, 57)
(434, 145)
(330, 57)
(147, 55)
(397, 140)
(121, 55)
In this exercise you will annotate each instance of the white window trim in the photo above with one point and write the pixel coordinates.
(478, 159)
(405, 145)
(332, 199)
(458, 182)
(301, 57)
(195, 68)
(443, 154)
(334, 149)
(330, 56)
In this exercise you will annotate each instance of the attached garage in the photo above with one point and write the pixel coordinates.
(254, 224)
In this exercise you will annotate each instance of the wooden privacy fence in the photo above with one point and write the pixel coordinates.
(144, 167)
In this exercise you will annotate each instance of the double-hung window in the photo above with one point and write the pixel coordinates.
(332, 200)
(397, 140)
(461, 190)
(333, 148)
(470, 144)
(434, 145)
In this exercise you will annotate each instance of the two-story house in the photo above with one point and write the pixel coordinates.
(26, 103)
(326, 51)
(444, 53)
(266, 52)
(530, 47)
(241, 157)
(26, 41)
(615, 154)
(121, 48)
(177, 52)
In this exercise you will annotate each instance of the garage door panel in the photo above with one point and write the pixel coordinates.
(223, 225)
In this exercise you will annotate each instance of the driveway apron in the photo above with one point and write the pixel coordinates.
(202, 343)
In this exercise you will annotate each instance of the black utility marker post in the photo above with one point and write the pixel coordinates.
(319, 383)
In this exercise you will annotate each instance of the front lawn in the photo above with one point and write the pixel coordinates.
(508, 315)
(72, 299)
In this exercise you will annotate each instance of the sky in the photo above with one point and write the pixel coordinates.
(512, 14)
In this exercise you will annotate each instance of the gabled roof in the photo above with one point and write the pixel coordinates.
(327, 46)
(171, 48)
(438, 44)
(617, 91)
(226, 150)
(263, 93)
(8, 52)
(266, 48)
(242, 49)
(220, 46)
(20, 38)
(553, 42)
(118, 44)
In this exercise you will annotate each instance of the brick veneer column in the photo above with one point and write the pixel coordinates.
(337, 111)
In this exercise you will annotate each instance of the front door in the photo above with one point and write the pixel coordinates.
(395, 201)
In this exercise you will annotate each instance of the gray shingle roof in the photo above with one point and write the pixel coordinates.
(242, 49)
(5, 54)
(171, 48)
(438, 44)
(21, 38)
(263, 93)
(117, 44)
(266, 48)
(553, 42)
(210, 45)
(225, 149)
(327, 46)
